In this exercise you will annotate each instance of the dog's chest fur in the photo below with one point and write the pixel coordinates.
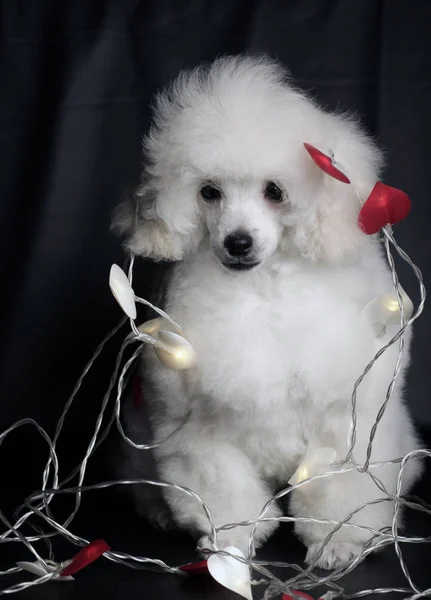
(266, 346)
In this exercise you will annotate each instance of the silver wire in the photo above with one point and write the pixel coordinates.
(39, 504)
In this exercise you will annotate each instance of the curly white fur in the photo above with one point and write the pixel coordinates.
(279, 346)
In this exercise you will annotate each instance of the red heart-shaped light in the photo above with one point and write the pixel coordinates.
(86, 556)
(296, 594)
(324, 162)
(385, 205)
(195, 568)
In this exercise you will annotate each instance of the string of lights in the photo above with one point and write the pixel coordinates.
(231, 568)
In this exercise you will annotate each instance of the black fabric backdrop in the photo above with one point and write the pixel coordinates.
(76, 80)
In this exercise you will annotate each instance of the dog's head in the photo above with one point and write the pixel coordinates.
(225, 164)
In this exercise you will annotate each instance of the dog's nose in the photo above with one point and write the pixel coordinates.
(238, 244)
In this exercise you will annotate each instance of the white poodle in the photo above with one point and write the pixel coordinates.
(270, 275)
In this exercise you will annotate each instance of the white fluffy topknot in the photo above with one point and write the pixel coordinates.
(240, 117)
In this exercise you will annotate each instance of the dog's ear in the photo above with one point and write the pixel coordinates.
(330, 230)
(158, 224)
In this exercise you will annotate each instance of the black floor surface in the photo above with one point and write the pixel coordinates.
(107, 514)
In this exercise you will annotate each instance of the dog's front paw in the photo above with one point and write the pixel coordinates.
(335, 554)
(204, 545)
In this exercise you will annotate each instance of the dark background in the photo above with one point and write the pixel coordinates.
(76, 79)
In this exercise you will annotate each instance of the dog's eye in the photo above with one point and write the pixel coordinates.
(273, 192)
(210, 193)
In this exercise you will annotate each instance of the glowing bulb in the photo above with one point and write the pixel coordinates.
(314, 463)
(122, 291)
(302, 473)
(155, 325)
(392, 305)
(174, 351)
(231, 573)
(383, 312)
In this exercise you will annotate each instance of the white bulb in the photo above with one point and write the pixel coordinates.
(175, 351)
(122, 291)
(37, 568)
(171, 348)
(314, 463)
(230, 572)
(153, 326)
(384, 311)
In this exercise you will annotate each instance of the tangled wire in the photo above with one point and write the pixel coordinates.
(39, 503)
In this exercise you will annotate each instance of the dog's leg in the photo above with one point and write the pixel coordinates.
(226, 480)
(336, 497)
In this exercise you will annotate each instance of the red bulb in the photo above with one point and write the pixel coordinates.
(195, 568)
(296, 594)
(86, 556)
(384, 206)
(324, 163)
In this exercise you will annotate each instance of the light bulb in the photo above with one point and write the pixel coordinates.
(37, 568)
(313, 463)
(122, 291)
(230, 572)
(174, 351)
(153, 326)
(384, 311)
(302, 473)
